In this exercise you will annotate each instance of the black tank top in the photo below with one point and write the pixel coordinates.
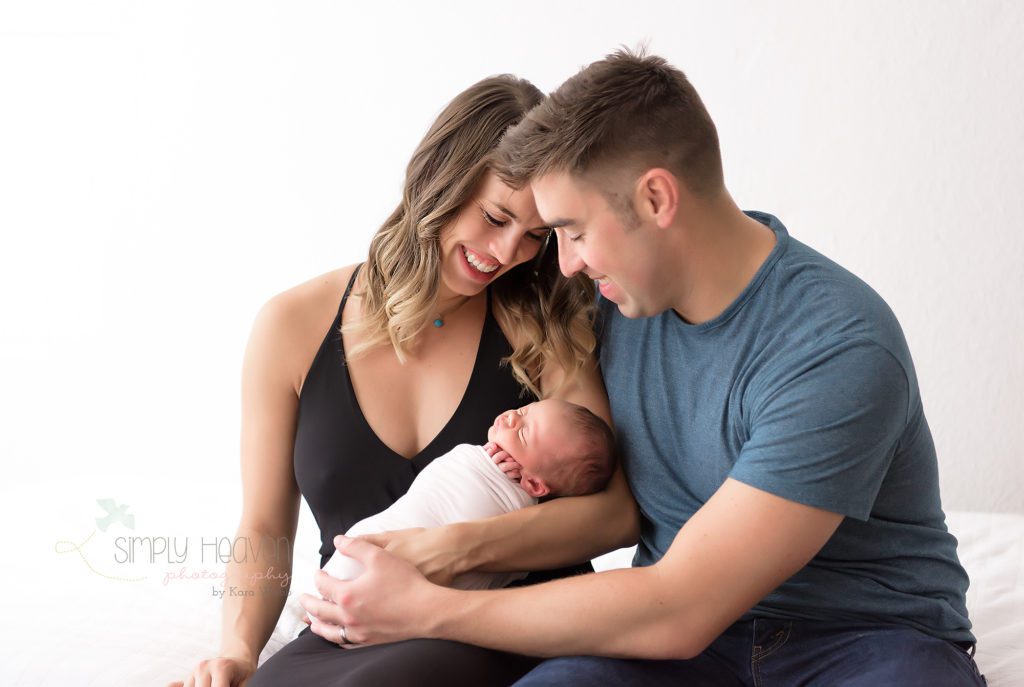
(345, 471)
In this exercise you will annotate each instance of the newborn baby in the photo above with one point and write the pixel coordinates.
(561, 449)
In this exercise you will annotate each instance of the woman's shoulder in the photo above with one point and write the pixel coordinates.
(291, 324)
(314, 299)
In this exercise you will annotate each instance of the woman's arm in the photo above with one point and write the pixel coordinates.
(560, 532)
(270, 496)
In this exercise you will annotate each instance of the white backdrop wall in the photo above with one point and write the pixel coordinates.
(167, 167)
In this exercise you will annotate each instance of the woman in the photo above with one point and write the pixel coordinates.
(455, 284)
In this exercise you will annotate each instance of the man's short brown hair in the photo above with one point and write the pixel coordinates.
(618, 116)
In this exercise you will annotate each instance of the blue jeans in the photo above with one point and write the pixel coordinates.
(781, 653)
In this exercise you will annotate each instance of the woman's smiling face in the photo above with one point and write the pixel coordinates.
(497, 229)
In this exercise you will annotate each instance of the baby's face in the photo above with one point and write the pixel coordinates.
(532, 434)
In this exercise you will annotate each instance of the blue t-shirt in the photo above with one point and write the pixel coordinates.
(803, 387)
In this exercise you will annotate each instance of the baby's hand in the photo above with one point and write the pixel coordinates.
(503, 460)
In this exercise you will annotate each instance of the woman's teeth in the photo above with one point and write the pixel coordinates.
(480, 265)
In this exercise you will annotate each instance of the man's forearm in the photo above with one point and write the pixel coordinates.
(742, 544)
(554, 534)
(620, 613)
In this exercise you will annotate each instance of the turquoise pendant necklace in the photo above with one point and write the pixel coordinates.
(439, 322)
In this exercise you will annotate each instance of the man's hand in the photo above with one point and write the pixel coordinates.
(503, 460)
(389, 602)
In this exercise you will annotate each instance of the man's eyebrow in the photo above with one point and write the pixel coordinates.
(559, 223)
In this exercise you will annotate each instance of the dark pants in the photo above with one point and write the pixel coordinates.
(310, 660)
(763, 653)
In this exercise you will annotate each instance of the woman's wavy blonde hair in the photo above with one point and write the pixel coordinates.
(552, 317)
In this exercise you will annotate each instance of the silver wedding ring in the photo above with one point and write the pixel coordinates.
(344, 637)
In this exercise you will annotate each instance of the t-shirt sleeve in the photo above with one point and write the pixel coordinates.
(824, 432)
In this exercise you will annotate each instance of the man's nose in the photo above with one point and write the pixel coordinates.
(569, 261)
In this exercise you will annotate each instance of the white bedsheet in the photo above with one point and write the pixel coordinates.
(66, 624)
(992, 549)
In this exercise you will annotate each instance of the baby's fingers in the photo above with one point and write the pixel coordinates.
(502, 458)
(510, 467)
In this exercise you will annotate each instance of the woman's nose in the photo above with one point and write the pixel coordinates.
(506, 247)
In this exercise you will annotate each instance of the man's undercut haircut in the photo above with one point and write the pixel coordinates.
(613, 121)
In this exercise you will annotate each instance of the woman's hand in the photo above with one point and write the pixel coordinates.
(503, 460)
(432, 551)
(223, 670)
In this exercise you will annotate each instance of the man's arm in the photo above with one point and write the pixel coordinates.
(736, 549)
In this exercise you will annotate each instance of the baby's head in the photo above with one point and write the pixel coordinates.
(563, 448)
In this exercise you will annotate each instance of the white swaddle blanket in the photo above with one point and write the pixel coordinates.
(463, 484)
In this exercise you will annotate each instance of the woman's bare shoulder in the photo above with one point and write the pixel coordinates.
(291, 324)
(310, 300)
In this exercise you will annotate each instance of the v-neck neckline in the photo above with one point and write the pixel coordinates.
(462, 401)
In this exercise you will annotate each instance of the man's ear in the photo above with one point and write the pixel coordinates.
(657, 196)
(534, 486)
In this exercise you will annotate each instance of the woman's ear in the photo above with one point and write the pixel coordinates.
(534, 486)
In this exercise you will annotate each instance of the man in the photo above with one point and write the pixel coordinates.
(770, 423)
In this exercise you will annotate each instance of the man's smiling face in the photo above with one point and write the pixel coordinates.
(594, 239)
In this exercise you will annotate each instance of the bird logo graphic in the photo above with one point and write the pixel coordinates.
(115, 513)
